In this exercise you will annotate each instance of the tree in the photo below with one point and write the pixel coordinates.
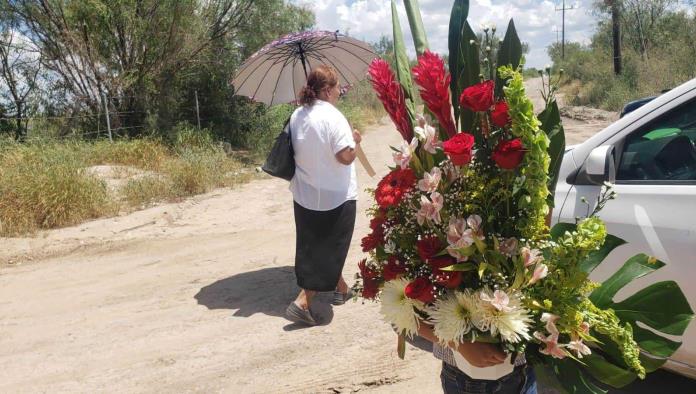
(19, 70)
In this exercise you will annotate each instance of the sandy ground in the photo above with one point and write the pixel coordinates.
(190, 297)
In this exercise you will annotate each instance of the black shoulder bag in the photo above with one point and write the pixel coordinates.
(281, 159)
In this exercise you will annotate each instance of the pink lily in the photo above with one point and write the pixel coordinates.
(530, 256)
(508, 247)
(550, 319)
(540, 273)
(500, 300)
(430, 209)
(428, 134)
(579, 347)
(403, 156)
(474, 222)
(552, 348)
(430, 180)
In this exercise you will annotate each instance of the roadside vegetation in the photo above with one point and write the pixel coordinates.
(657, 52)
(146, 115)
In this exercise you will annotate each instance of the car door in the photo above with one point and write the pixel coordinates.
(655, 210)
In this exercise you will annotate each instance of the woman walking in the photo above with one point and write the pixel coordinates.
(324, 190)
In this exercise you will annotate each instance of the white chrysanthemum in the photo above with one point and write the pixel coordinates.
(502, 314)
(451, 316)
(398, 309)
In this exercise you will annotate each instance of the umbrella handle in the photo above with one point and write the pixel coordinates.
(363, 160)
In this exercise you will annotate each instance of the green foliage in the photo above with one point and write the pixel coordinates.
(469, 71)
(403, 68)
(552, 125)
(415, 21)
(536, 161)
(668, 45)
(460, 11)
(661, 306)
(509, 54)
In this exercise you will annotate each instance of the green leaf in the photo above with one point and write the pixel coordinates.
(401, 346)
(607, 372)
(596, 257)
(403, 68)
(636, 267)
(570, 377)
(661, 306)
(463, 267)
(553, 127)
(560, 228)
(509, 54)
(416, 22)
(654, 344)
(460, 11)
(469, 71)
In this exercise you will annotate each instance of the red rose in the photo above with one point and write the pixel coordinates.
(420, 289)
(508, 154)
(428, 250)
(500, 116)
(479, 97)
(370, 288)
(391, 189)
(448, 279)
(428, 247)
(393, 268)
(458, 148)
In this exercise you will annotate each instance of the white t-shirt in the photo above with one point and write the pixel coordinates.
(321, 182)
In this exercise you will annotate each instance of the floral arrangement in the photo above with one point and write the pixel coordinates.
(459, 229)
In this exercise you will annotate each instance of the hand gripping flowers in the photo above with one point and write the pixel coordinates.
(458, 235)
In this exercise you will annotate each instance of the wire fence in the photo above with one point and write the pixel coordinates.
(109, 123)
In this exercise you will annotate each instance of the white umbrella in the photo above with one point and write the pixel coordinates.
(276, 73)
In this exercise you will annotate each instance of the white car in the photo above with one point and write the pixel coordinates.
(650, 155)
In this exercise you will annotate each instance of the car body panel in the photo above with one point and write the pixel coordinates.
(657, 219)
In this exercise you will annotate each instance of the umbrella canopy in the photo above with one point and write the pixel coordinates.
(276, 73)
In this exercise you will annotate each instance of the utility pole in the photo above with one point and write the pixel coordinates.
(616, 33)
(557, 30)
(563, 9)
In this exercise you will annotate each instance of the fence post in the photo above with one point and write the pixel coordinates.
(198, 115)
(108, 122)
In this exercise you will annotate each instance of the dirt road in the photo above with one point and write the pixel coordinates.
(189, 297)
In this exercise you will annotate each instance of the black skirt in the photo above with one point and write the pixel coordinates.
(323, 238)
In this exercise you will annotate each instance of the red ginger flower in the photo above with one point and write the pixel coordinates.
(479, 97)
(391, 189)
(391, 94)
(434, 83)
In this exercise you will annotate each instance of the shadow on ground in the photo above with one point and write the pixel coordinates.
(268, 291)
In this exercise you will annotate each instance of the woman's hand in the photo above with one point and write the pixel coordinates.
(481, 354)
(356, 136)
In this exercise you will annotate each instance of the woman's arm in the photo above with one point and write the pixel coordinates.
(347, 155)
(477, 353)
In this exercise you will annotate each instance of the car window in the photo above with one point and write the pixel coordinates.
(664, 150)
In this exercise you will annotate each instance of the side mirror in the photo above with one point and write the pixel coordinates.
(600, 166)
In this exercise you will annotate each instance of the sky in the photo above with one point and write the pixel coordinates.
(536, 21)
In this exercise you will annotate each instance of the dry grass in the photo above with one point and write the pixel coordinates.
(45, 184)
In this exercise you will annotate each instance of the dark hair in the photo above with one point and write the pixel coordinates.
(320, 78)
